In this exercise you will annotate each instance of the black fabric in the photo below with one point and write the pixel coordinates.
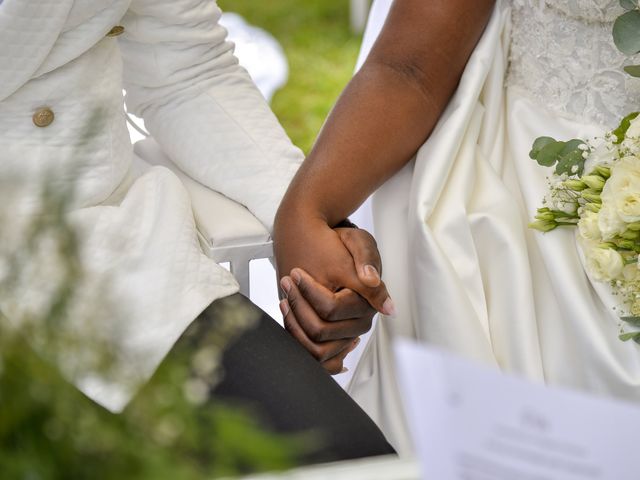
(346, 223)
(266, 370)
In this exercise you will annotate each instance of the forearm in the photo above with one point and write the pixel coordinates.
(202, 107)
(390, 107)
(374, 129)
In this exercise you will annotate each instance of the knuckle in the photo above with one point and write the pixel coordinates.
(333, 315)
(331, 368)
(325, 353)
(317, 351)
(327, 310)
(316, 332)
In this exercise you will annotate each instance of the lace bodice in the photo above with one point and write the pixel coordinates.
(589, 10)
(563, 56)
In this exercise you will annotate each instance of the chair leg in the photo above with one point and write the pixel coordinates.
(241, 271)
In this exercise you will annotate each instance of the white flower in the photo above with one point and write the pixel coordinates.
(588, 226)
(609, 222)
(629, 206)
(623, 189)
(604, 264)
(603, 154)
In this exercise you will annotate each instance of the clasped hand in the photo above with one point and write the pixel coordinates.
(330, 280)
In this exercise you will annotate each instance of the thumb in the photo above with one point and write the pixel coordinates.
(377, 297)
(364, 251)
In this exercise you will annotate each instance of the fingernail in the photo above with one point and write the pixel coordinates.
(389, 308)
(344, 370)
(284, 308)
(296, 277)
(371, 271)
(285, 283)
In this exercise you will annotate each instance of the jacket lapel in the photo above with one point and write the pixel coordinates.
(28, 31)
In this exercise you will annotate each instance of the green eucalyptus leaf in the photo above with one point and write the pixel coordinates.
(625, 123)
(567, 155)
(626, 32)
(625, 337)
(548, 155)
(538, 145)
(635, 321)
(633, 70)
(629, 4)
(571, 162)
(572, 145)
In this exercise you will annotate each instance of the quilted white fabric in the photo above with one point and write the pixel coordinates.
(135, 221)
(221, 222)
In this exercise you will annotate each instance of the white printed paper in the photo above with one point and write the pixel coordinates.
(470, 422)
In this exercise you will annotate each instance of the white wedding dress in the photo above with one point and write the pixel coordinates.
(465, 271)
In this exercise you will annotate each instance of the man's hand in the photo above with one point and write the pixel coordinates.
(323, 315)
(327, 324)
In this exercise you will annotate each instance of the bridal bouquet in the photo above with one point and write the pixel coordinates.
(595, 188)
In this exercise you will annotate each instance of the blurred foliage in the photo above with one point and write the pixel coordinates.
(322, 53)
(51, 431)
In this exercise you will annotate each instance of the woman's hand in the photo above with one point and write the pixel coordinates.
(336, 258)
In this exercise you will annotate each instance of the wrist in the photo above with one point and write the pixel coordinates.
(293, 212)
(294, 235)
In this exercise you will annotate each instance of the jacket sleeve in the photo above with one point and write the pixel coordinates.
(203, 108)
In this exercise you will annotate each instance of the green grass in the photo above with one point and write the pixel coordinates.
(321, 51)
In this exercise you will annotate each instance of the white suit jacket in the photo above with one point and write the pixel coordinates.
(62, 69)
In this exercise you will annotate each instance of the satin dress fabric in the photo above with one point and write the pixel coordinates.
(465, 271)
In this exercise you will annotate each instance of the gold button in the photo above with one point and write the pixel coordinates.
(116, 31)
(43, 117)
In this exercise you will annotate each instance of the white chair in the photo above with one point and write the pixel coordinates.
(232, 234)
